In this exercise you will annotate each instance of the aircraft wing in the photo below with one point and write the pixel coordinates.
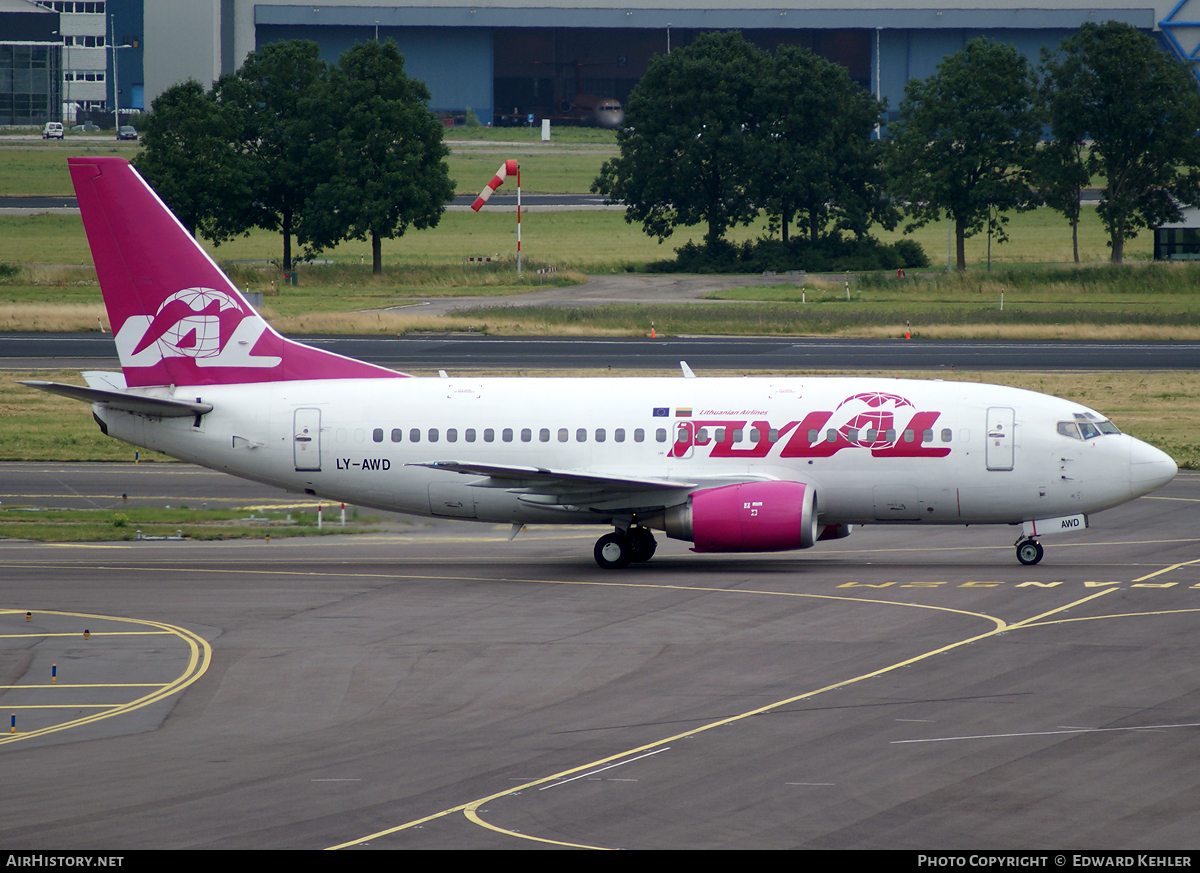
(571, 490)
(141, 404)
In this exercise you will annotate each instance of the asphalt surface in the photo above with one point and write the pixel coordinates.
(466, 351)
(435, 686)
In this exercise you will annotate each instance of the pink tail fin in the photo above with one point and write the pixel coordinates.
(176, 318)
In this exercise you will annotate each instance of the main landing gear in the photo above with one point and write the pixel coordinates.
(1029, 551)
(621, 548)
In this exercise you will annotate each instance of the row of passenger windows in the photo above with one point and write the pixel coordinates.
(619, 435)
(507, 435)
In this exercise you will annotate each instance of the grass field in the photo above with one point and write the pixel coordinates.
(1158, 407)
(35, 169)
(126, 523)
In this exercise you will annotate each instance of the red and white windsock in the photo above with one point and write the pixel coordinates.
(507, 169)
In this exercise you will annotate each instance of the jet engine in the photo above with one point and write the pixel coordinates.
(750, 517)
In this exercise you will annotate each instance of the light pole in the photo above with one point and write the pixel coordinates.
(112, 19)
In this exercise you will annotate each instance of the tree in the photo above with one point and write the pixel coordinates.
(817, 163)
(278, 109)
(1060, 174)
(386, 158)
(1140, 108)
(964, 139)
(687, 151)
(190, 161)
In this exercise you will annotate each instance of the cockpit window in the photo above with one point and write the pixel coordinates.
(1086, 426)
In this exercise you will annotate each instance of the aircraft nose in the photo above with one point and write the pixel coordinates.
(1149, 468)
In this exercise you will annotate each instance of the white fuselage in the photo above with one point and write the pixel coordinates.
(875, 450)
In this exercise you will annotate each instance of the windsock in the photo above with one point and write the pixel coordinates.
(506, 169)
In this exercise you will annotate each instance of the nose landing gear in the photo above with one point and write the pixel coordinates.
(621, 548)
(1029, 551)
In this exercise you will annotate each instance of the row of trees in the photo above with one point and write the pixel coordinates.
(720, 130)
(289, 143)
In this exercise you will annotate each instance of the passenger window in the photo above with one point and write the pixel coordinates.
(890, 435)
(720, 434)
(377, 435)
(600, 435)
(831, 436)
(872, 435)
(681, 436)
(360, 435)
(773, 435)
(470, 434)
(947, 434)
(489, 435)
(451, 435)
(433, 434)
(661, 434)
(506, 435)
(619, 434)
(526, 435)
(414, 435)
(737, 435)
(812, 435)
(909, 435)
(927, 435)
(544, 435)
(397, 434)
(581, 435)
(562, 434)
(852, 434)
(702, 436)
(639, 436)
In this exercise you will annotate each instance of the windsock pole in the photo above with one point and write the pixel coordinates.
(506, 169)
(519, 223)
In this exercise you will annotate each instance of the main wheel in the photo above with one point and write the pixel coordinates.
(613, 551)
(641, 545)
(1029, 552)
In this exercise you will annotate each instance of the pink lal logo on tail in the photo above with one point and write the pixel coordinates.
(194, 322)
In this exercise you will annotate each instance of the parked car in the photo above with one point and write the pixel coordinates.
(52, 130)
(127, 131)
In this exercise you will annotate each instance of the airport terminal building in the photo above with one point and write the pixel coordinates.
(511, 58)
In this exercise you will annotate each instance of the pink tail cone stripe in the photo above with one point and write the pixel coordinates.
(507, 169)
(175, 316)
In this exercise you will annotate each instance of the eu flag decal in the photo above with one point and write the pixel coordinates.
(662, 412)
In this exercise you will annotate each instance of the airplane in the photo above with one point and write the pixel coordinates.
(760, 464)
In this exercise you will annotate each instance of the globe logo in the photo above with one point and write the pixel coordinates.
(872, 415)
(195, 322)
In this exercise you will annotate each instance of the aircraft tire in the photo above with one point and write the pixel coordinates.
(642, 545)
(1029, 552)
(613, 551)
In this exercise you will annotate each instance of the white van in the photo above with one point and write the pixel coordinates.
(52, 130)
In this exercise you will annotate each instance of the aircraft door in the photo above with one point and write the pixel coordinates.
(685, 440)
(1000, 438)
(306, 440)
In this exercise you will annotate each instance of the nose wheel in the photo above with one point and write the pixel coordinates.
(1029, 551)
(621, 548)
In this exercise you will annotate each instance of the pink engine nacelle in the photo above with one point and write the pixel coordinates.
(750, 517)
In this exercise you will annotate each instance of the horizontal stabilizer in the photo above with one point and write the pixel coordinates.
(138, 403)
